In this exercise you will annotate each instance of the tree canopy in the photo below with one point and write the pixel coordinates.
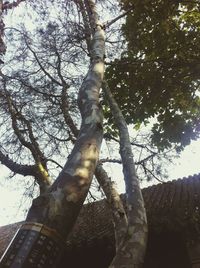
(157, 74)
(45, 63)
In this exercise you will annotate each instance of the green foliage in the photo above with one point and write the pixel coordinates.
(158, 74)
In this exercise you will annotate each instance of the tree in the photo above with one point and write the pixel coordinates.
(40, 82)
(160, 70)
(58, 205)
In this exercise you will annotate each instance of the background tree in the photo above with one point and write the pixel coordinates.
(157, 75)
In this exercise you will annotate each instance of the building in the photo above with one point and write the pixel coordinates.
(173, 212)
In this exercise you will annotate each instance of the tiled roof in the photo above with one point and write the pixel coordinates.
(6, 234)
(181, 194)
(174, 204)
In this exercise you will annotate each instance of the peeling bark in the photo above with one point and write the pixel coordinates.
(59, 207)
(132, 248)
(116, 205)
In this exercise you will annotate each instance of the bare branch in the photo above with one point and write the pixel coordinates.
(25, 170)
(41, 66)
(55, 162)
(108, 24)
(8, 5)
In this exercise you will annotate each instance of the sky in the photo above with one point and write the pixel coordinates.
(188, 163)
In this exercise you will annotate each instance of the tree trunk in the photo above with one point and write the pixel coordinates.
(118, 212)
(132, 249)
(55, 212)
(59, 207)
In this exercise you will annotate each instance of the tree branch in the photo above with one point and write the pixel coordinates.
(108, 24)
(42, 175)
(8, 5)
(41, 66)
(25, 170)
(115, 202)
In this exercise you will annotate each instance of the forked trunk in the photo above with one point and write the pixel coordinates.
(53, 214)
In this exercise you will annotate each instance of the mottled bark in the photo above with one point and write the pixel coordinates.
(119, 215)
(132, 248)
(60, 206)
(57, 209)
(116, 205)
